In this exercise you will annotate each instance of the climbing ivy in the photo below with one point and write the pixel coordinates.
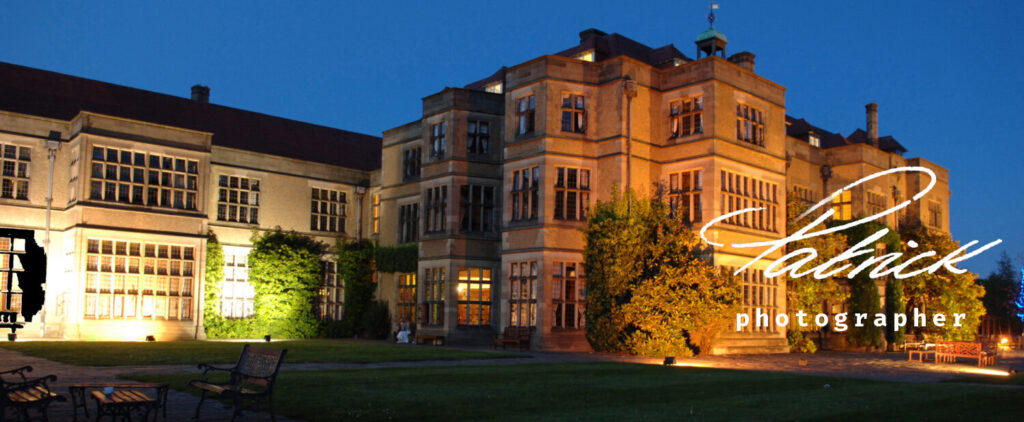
(215, 325)
(284, 270)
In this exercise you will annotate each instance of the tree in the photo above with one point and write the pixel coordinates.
(943, 291)
(1001, 294)
(652, 290)
(355, 267)
(284, 270)
(808, 293)
(864, 290)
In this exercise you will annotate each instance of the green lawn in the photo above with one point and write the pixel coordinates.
(1016, 379)
(617, 392)
(104, 353)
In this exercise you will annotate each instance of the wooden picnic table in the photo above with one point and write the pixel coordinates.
(125, 399)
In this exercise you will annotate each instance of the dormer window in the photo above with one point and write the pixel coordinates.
(587, 56)
(494, 87)
(814, 140)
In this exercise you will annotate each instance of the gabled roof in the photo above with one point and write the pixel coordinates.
(606, 46)
(54, 95)
(885, 143)
(800, 128)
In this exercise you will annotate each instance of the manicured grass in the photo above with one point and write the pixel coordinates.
(1016, 379)
(617, 392)
(104, 353)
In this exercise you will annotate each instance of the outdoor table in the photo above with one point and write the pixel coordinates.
(125, 399)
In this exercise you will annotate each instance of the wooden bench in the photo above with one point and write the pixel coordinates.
(252, 378)
(434, 340)
(921, 355)
(513, 335)
(21, 393)
(948, 351)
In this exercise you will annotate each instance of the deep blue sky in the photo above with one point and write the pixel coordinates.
(947, 75)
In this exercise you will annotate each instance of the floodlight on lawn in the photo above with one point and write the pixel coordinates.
(669, 360)
(150, 338)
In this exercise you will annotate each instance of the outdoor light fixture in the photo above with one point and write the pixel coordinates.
(12, 337)
(150, 338)
(1011, 371)
(670, 360)
(267, 338)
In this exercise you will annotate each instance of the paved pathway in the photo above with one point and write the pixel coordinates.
(888, 366)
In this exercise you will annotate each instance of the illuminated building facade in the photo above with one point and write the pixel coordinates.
(140, 178)
(494, 181)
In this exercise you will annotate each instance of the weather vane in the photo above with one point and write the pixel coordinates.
(712, 6)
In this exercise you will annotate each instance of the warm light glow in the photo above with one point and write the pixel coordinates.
(1004, 340)
(981, 371)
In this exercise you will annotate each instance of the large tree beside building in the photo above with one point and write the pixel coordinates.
(942, 291)
(1001, 294)
(651, 287)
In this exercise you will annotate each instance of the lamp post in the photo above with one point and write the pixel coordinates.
(629, 89)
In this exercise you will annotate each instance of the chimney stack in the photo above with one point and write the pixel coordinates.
(201, 93)
(872, 111)
(744, 59)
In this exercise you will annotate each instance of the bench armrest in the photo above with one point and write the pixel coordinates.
(207, 368)
(18, 371)
(43, 381)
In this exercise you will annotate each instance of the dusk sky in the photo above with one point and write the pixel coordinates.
(947, 75)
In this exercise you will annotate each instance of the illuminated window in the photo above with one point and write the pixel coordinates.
(437, 140)
(479, 137)
(814, 140)
(740, 192)
(474, 296)
(685, 116)
(144, 179)
(523, 294)
(236, 294)
(376, 214)
(411, 163)
(569, 295)
(477, 208)
(574, 113)
(10, 267)
(327, 210)
(843, 206)
(587, 56)
(572, 193)
(15, 171)
(749, 124)
(332, 292)
(684, 193)
(238, 199)
(525, 114)
(494, 87)
(436, 209)
(759, 292)
(525, 187)
(934, 214)
(124, 280)
(433, 290)
(408, 223)
(406, 304)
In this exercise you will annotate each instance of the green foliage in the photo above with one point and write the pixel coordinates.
(942, 291)
(284, 270)
(863, 289)
(215, 325)
(376, 323)
(799, 343)
(355, 267)
(651, 290)
(808, 293)
(396, 259)
(1001, 290)
(894, 304)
